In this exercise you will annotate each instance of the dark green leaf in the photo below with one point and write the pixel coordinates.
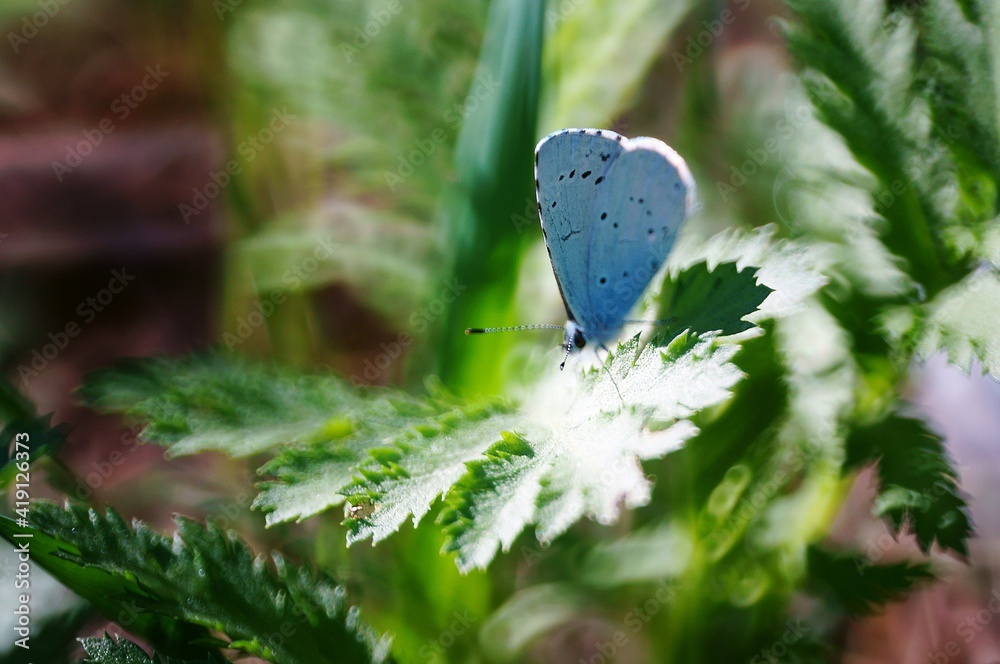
(918, 486)
(705, 300)
(109, 650)
(859, 585)
(172, 591)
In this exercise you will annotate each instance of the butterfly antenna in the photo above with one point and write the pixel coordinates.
(516, 328)
(569, 349)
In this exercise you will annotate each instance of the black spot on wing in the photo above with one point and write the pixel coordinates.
(585, 175)
(572, 173)
(599, 180)
(604, 215)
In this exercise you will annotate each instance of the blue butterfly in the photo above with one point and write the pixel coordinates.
(610, 209)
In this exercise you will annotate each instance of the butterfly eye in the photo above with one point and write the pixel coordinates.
(579, 340)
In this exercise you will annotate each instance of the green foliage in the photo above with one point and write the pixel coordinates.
(918, 485)
(109, 650)
(704, 461)
(962, 321)
(172, 591)
(567, 447)
(705, 301)
(859, 585)
(211, 401)
(877, 75)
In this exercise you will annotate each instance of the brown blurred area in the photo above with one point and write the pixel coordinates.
(108, 120)
(111, 113)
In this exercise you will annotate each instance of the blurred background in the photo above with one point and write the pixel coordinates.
(279, 178)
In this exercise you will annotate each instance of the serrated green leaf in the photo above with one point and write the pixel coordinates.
(580, 444)
(918, 486)
(859, 585)
(786, 272)
(309, 479)
(201, 579)
(964, 322)
(717, 300)
(222, 402)
(913, 91)
(109, 650)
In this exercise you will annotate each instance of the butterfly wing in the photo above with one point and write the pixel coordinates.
(640, 205)
(570, 168)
